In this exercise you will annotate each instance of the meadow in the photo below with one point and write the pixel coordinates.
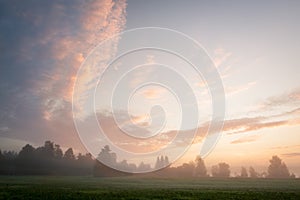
(72, 187)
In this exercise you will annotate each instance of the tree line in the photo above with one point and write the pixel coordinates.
(50, 159)
(45, 160)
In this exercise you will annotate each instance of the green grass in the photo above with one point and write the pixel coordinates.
(42, 187)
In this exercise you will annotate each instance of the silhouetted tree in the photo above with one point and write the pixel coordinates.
(293, 175)
(45, 160)
(26, 160)
(186, 170)
(107, 156)
(69, 155)
(244, 173)
(157, 164)
(27, 152)
(8, 165)
(221, 170)
(2, 163)
(85, 164)
(110, 160)
(200, 169)
(58, 153)
(144, 167)
(253, 173)
(132, 167)
(277, 168)
(167, 161)
(47, 151)
(161, 162)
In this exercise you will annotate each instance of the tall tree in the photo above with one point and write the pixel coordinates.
(277, 168)
(69, 155)
(252, 173)
(186, 170)
(108, 157)
(27, 152)
(58, 153)
(244, 173)
(200, 169)
(1, 156)
(221, 170)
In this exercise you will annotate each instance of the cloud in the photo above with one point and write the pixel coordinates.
(286, 147)
(129, 143)
(45, 44)
(153, 93)
(246, 139)
(242, 125)
(221, 56)
(125, 141)
(287, 100)
(99, 21)
(237, 89)
(295, 154)
(252, 126)
(287, 115)
(141, 119)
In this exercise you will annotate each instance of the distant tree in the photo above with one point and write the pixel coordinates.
(1, 156)
(263, 175)
(215, 170)
(253, 173)
(132, 167)
(277, 168)
(105, 163)
(185, 170)
(107, 156)
(49, 149)
(157, 164)
(200, 169)
(27, 152)
(161, 162)
(166, 161)
(244, 173)
(123, 165)
(10, 155)
(45, 153)
(69, 155)
(221, 170)
(293, 175)
(144, 167)
(2, 162)
(58, 153)
(85, 164)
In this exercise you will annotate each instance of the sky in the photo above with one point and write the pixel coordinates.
(254, 46)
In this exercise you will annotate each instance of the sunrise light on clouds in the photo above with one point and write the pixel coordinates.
(46, 65)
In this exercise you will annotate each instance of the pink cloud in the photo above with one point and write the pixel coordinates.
(221, 56)
(98, 20)
(246, 139)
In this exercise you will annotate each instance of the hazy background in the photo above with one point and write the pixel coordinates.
(254, 44)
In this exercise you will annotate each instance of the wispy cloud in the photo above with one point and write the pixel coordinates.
(153, 93)
(295, 154)
(287, 115)
(250, 124)
(286, 147)
(231, 90)
(51, 41)
(98, 21)
(221, 56)
(246, 139)
(289, 99)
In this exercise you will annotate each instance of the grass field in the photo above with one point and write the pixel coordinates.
(39, 187)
